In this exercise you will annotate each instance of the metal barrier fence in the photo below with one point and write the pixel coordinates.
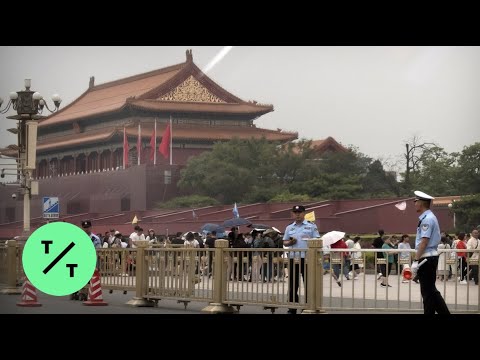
(11, 270)
(3, 265)
(264, 277)
(270, 277)
(366, 292)
(181, 274)
(20, 274)
(118, 268)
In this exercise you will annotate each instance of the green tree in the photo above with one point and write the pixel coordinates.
(193, 201)
(467, 212)
(468, 177)
(337, 175)
(351, 162)
(232, 170)
(437, 172)
(287, 196)
(378, 183)
(291, 160)
(329, 186)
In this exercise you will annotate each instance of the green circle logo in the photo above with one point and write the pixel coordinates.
(59, 258)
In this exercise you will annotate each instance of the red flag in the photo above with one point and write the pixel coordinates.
(153, 144)
(125, 149)
(164, 147)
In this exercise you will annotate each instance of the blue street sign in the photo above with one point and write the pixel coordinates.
(51, 208)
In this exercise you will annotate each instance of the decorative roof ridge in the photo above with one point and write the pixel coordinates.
(132, 99)
(285, 131)
(205, 80)
(190, 69)
(259, 104)
(138, 76)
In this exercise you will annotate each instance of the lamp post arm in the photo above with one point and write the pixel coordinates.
(7, 107)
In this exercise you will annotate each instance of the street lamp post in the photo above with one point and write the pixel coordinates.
(29, 106)
(454, 222)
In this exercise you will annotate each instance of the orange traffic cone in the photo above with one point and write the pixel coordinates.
(95, 291)
(29, 295)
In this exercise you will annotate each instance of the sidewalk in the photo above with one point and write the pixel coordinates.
(367, 294)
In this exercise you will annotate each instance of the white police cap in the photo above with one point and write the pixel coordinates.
(420, 195)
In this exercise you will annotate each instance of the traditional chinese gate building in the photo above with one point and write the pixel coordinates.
(80, 147)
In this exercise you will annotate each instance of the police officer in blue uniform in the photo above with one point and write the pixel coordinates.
(426, 243)
(296, 236)
(97, 243)
(87, 226)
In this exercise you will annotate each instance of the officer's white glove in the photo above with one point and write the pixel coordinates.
(414, 268)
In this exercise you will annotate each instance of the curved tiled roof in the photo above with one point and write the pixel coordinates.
(179, 132)
(111, 96)
(75, 139)
(445, 200)
(188, 132)
(145, 91)
(10, 151)
(320, 146)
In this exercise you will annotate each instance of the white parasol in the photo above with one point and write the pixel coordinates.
(332, 237)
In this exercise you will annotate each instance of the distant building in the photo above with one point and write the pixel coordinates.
(322, 147)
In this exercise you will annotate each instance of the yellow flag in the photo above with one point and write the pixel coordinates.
(310, 216)
(135, 220)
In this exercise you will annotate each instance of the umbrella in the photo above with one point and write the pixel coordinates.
(259, 226)
(272, 229)
(332, 237)
(236, 222)
(209, 227)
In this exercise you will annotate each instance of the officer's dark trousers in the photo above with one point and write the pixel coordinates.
(432, 299)
(294, 279)
(474, 273)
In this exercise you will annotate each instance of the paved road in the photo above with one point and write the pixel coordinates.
(375, 299)
(116, 305)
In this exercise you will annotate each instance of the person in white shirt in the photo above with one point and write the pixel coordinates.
(151, 237)
(135, 236)
(473, 244)
(190, 240)
(111, 237)
(404, 255)
(356, 269)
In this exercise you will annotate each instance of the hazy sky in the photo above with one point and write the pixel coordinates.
(374, 98)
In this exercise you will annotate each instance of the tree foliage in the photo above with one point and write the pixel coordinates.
(256, 170)
(467, 212)
(437, 173)
(192, 201)
(469, 163)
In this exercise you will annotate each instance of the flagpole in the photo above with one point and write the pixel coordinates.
(155, 147)
(139, 144)
(171, 137)
(124, 136)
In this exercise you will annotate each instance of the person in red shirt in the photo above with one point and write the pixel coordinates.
(340, 244)
(462, 257)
